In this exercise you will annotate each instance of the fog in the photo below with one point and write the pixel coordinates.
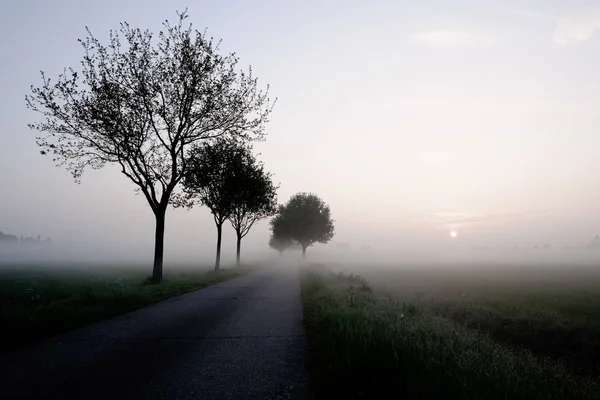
(400, 257)
(410, 120)
(129, 254)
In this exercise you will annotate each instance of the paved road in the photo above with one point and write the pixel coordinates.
(240, 339)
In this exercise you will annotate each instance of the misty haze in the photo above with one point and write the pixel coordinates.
(275, 200)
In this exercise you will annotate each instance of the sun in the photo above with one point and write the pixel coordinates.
(453, 234)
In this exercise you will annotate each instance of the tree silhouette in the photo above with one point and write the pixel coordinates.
(255, 197)
(213, 179)
(142, 105)
(306, 219)
(7, 238)
(279, 244)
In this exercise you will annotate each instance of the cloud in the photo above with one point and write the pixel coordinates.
(579, 28)
(465, 218)
(574, 28)
(451, 38)
(445, 218)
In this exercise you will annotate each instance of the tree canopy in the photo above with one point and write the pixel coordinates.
(281, 244)
(306, 219)
(254, 197)
(141, 102)
(225, 176)
(212, 180)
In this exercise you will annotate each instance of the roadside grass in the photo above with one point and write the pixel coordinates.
(39, 303)
(525, 322)
(551, 312)
(367, 345)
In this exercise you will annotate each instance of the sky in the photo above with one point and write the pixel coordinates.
(410, 119)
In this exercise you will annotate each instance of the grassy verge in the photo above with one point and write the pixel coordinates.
(570, 338)
(553, 312)
(366, 345)
(35, 304)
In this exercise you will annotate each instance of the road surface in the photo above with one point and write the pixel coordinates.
(240, 339)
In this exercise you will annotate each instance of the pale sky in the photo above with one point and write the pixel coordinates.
(411, 119)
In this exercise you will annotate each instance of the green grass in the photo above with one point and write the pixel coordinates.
(38, 303)
(551, 312)
(365, 344)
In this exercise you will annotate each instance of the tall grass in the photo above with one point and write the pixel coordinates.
(366, 345)
(552, 312)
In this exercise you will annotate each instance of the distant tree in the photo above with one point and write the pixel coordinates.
(212, 180)
(7, 238)
(306, 219)
(141, 103)
(254, 197)
(279, 244)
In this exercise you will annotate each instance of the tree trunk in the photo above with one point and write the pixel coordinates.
(159, 242)
(303, 251)
(219, 234)
(238, 249)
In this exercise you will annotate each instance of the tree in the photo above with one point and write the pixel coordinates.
(306, 219)
(255, 197)
(7, 238)
(212, 180)
(142, 105)
(279, 244)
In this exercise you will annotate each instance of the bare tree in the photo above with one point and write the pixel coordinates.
(140, 103)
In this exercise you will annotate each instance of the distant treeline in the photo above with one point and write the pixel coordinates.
(6, 238)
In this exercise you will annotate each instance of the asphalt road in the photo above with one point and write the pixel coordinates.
(240, 339)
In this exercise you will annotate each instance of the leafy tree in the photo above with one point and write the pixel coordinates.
(255, 197)
(212, 180)
(140, 103)
(306, 219)
(279, 244)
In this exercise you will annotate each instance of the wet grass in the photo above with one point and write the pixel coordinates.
(553, 312)
(366, 344)
(39, 303)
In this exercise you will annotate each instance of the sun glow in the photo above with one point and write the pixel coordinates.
(453, 234)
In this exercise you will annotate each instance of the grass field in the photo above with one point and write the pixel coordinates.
(510, 333)
(40, 302)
